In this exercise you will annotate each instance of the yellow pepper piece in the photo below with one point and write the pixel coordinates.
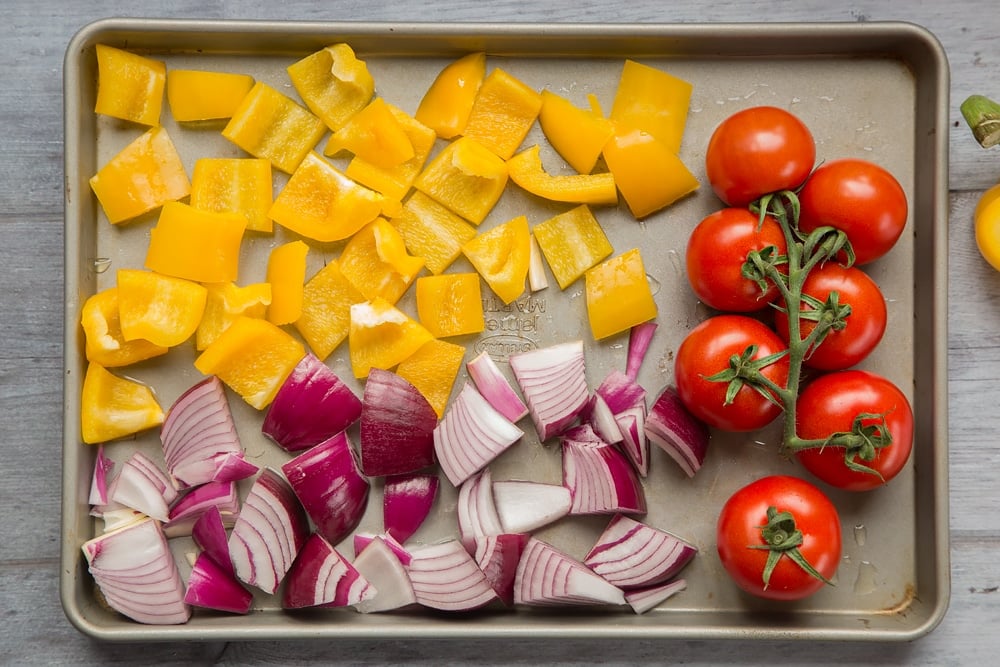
(105, 344)
(503, 113)
(129, 86)
(161, 309)
(326, 310)
(648, 174)
(286, 272)
(396, 181)
(446, 105)
(381, 336)
(225, 302)
(112, 407)
(196, 245)
(578, 135)
(195, 95)
(319, 202)
(618, 295)
(432, 370)
(270, 125)
(653, 101)
(252, 357)
(450, 304)
(572, 242)
(432, 231)
(145, 175)
(501, 257)
(376, 262)
(374, 135)
(333, 83)
(466, 177)
(527, 171)
(241, 185)
(986, 219)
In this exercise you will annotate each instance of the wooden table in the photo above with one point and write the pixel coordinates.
(34, 630)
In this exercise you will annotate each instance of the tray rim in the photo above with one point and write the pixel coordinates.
(883, 38)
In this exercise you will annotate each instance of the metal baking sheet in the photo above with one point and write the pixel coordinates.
(871, 90)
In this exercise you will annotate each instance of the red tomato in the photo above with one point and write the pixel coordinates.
(707, 350)
(758, 151)
(861, 199)
(740, 527)
(829, 405)
(716, 252)
(863, 328)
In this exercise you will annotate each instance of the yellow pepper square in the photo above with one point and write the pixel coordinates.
(326, 309)
(466, 177)
(201, 246)
(432, 231)
(503, 113)
(450, 304)
(129, 86)
(241, 185)
(375, 260)
(432, 369)
(394, 182)
(572, 242)
(333, 83)
(618, 295)
(195, 95)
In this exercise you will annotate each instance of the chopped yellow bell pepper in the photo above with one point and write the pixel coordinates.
(320, 203)
(986, 221)
(446, 105)
(432, 369)
(618, 295)
(196, 95)
(225, 302)
(432, 231)
(503, 113)
(374, 135)
(527, 171)
(326, 309)
(286, 273)
(143, 176)
(129, 86)
(572, 242)
(466, 177)
(648, 174)
(161, 309)
(653, 101)
(240, 185)
(252, 357)
(105, 344)
(578, 135)
(376, 262)
(501, 256)
(450, 304)
(201, 246)
(112, 407)
(268, 124)
(395, 182)
(333, 83)
(381, 336)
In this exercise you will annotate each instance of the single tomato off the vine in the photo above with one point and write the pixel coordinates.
(830, 403)
(708, 350)
(786, 516)
(861, 199)
(757, 151)
(717, 251)
(859, 332)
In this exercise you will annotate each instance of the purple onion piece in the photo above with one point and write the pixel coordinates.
(213, 587)
(677, 432)
(380, 566)
(554, 383)
(639, 339)
(630, 554)
(546, 576)
(397, 426)
(497, 556)
(406, 503)
(643, 599)
(445, 577)
(322, 577)
(599, 477)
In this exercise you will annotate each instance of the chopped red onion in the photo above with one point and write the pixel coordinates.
(142, 485)
(211, 586)
(99, 482)
(630, 554)
(380, 566)
(477, 515)
(602, 420)
(554, 383)
(620, 392)
(495, 388)
(397, 426)
(120, 517)
(223, 496)
(209, 533)
(639, 338)
(677, 432)
(600, 478)
(322, 577)
(498, 556)
(406, 503)
(635, 444)
(362, 540)
(643, 599)
(444, 576)
(547, 576)
(524, 506)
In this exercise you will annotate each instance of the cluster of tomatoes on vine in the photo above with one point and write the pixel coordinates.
(781, 263)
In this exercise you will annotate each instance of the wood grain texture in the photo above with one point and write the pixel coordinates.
(35, 631)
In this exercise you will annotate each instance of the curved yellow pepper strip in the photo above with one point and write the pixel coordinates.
(526, 170)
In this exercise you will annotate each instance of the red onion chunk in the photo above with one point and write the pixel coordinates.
(635, 444)
(477, 514)
(380, 566)
(397, 426)
(362, 540)
(269, 532)
(330, 487)
(639, 339)
(495, 388)
(209, 533)
(99, 482)
(223, 496)
(620, 392)
(137, 574)
(444, 576)
(643, 599)
(600, 478)
(547, 576)
(120, 517)
(311, 405)
(525, 506)
(677, 432)
(322, 577)
(471, 435)
(213, 587)
(631, 554)
(498, 556)
(554, 383)
(406, 503)
(602, 420)
(142, 485)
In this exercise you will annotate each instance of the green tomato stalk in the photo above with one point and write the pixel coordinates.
(983, 117)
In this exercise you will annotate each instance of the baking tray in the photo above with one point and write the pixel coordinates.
(872, 90)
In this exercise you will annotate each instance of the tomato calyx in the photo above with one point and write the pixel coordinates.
(782, 538)
(744, 370)
(869, 433)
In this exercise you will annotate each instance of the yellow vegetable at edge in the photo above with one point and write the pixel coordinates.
(112, 407)
(987, 223)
